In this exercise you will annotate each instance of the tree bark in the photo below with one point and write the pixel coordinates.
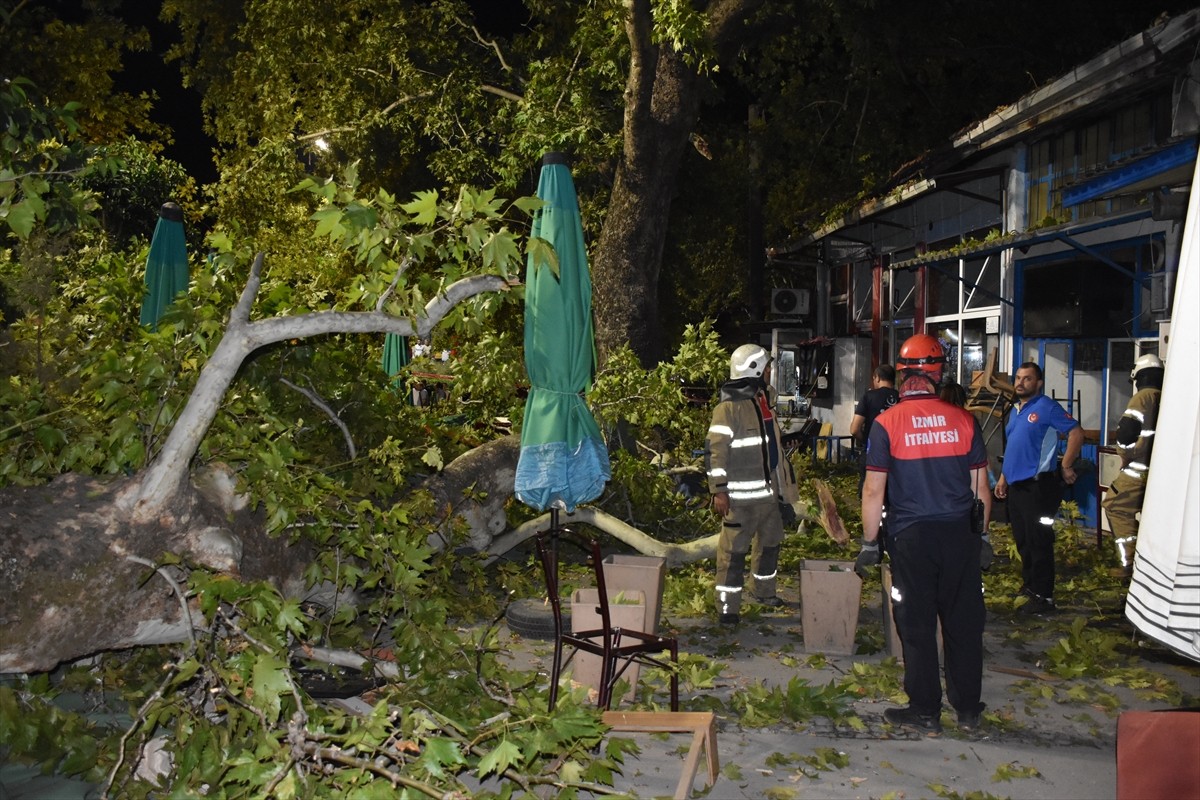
(80, 577)
(662, 104)
(475, 487)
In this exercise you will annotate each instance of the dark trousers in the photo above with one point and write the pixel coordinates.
(1032, 506)
(935, 576)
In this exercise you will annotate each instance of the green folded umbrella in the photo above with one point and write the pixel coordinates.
(395, 354)
(166, 265)
(564, 460)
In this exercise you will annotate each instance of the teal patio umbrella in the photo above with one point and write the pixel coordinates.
(166, 265)
(564, 460)
(395, 354)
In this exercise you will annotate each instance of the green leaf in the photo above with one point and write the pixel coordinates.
(433, 457)
(424, 208)
(439, 752)
(292, 618)
(542, 254)
(21, 219)
(501, 758)
(329, 222)
(529, 204)
(500, 250)
(269, 682)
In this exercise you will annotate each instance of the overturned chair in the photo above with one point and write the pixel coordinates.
(616, 647)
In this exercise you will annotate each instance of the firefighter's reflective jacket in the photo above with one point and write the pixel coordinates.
(744, 448)
(1135, 432)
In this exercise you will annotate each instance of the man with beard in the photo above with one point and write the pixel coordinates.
(1031, 480)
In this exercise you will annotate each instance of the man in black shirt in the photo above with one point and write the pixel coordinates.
(881, 396)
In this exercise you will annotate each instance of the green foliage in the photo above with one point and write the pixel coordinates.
(1083, 651)
(654, 400)
(882, 681)
(798, 701)
(237, 715)
(1011, 770)
(942, 790)
(38, 731)
(41, 152)
(74, 54)
(129, 198)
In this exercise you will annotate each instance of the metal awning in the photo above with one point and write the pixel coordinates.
(1061, 233)
(1170, 166)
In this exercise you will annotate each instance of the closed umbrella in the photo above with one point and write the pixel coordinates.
(1164, 595)
(166, 265)
(563, 461)
(395, 354)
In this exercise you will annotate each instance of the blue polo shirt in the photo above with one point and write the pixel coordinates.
(1032, 438)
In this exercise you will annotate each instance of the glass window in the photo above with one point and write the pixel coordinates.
(947, 334)
(900, 335)
(985, 274)
(1087, 381)
(973, 349)
(904, 295)
(863, 275)
(1120, 390)
(1039, 182)
(785, 372)
(942, 282)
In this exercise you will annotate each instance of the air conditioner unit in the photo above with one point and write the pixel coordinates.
(789, 302)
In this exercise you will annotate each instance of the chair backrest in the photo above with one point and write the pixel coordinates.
(547, 550)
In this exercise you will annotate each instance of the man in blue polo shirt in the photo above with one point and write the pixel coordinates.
(1031, 481)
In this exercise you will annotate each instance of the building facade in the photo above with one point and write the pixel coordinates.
(1048, 232)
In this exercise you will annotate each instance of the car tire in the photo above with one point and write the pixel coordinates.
(534, 619)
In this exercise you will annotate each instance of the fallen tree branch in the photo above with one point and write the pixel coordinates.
(167, 472)
(675, 554)
(829, 518)
(316, 400)
(352, 660)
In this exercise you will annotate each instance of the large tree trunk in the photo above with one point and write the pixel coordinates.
(661, 107)
(80, 578)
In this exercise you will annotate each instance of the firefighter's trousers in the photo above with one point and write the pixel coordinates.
(756, 530)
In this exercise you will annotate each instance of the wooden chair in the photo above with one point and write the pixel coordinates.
(616, 647)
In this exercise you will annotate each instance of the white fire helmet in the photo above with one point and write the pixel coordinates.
(749, 361)
(1146, 361)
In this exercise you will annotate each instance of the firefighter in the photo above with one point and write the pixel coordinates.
(752, 484)
(1135, 440)
(929, 457)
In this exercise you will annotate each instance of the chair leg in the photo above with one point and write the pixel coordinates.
(608, 669)
(674, 676)
(555, 671)
(608, 674)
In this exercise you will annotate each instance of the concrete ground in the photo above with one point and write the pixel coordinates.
(1043, 736)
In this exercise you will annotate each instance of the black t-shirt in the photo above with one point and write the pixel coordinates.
(874, 403)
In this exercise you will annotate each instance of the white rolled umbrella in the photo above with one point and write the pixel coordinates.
(1164, 595)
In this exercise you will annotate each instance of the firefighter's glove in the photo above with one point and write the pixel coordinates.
(788, 514)
(867, 557)
(986, 554)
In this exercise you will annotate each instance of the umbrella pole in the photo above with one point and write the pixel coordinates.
(554, 531)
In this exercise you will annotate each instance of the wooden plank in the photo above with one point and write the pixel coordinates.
(701, 724)
(662, 721)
